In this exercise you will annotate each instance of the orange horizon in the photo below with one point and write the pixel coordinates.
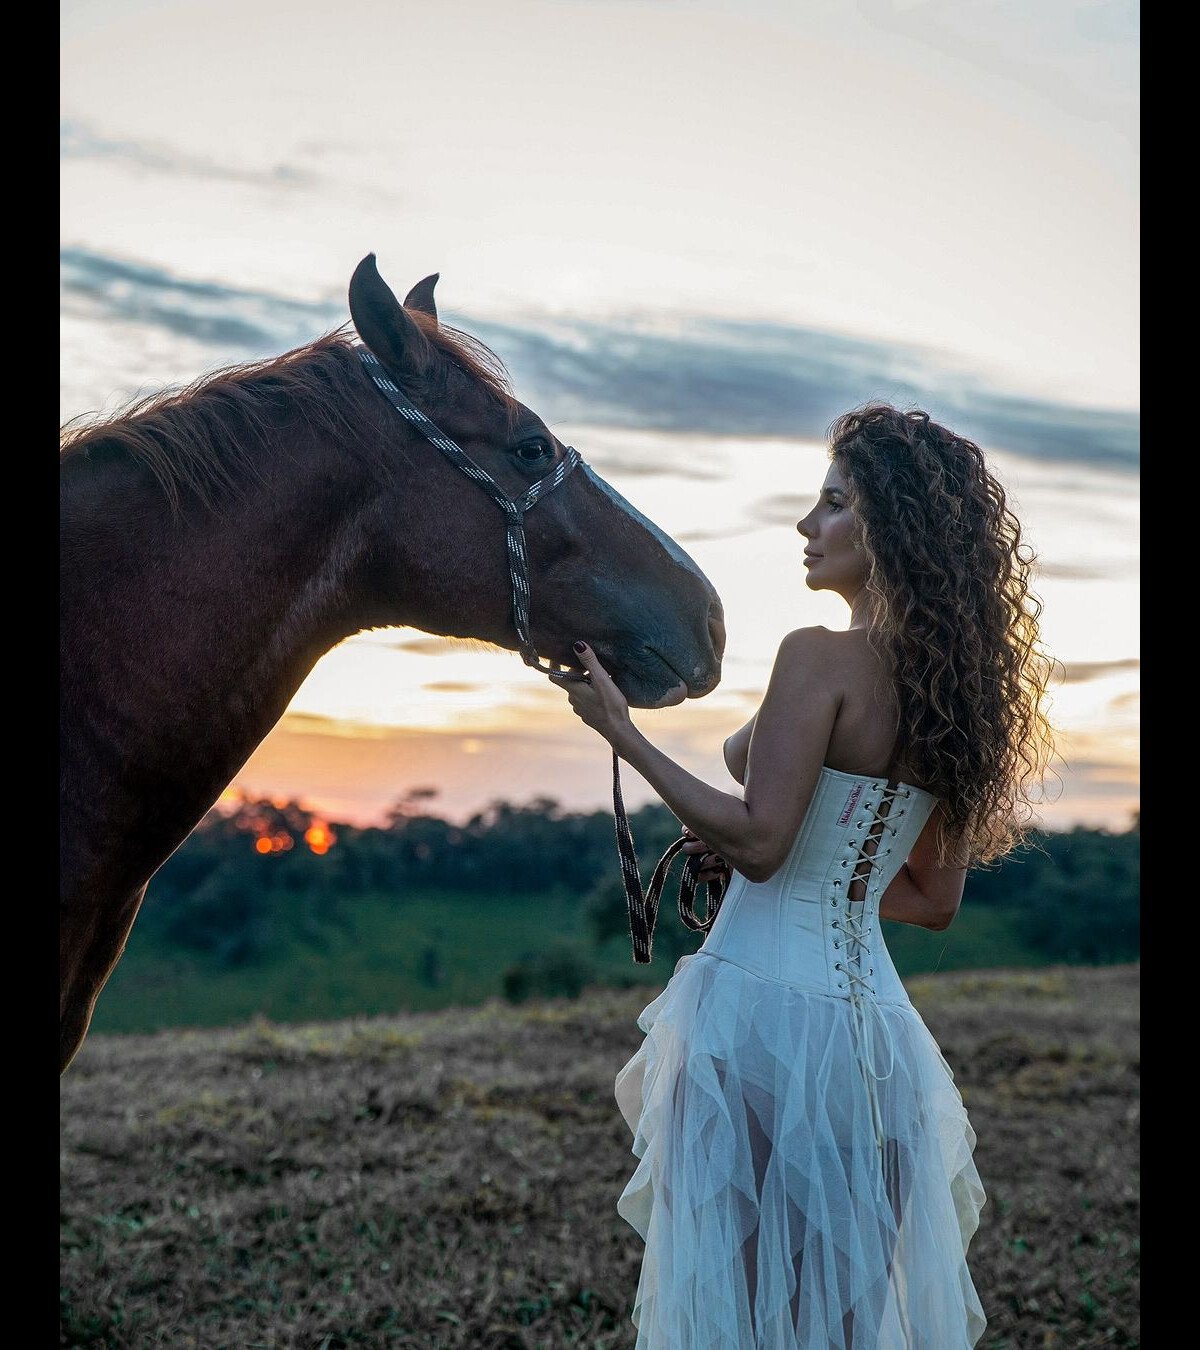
(355, 778)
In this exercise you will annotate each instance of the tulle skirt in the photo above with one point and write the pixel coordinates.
(770, 1216)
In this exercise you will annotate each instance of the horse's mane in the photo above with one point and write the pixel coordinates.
(193, 439)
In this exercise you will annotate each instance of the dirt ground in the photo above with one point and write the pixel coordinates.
(450, 1179)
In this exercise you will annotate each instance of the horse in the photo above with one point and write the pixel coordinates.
(216, 541)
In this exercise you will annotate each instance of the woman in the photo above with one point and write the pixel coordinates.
(805, 1174)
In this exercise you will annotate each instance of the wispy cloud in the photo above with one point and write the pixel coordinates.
(695, 375)
(698, 536)
(237, 320)
(782, 508)
(434, 646)
(1072, 571)
(763, 379)
(79, 141)
(1079, 672)
(1080, 55)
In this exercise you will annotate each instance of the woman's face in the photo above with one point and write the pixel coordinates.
(833, 558)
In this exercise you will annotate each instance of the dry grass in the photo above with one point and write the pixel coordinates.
(449, 1179)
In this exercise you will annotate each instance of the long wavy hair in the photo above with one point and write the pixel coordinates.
(954, 621)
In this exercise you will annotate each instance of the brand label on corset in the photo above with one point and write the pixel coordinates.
(851, 803)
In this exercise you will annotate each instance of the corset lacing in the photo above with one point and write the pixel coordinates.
(866, 1011)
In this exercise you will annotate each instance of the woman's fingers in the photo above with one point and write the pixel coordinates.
(712, 865)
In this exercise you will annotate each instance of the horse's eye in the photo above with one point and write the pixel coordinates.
(531, 451)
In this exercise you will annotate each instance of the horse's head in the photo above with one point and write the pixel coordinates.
(598, 569)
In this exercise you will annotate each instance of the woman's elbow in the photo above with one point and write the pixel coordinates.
(760, 869)
(939, 921)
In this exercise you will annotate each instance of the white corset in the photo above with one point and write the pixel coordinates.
(802, 928)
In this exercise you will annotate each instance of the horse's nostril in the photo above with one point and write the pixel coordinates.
(716, 628)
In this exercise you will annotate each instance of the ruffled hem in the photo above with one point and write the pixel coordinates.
(770, 1216)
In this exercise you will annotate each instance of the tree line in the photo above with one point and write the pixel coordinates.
(256, 870)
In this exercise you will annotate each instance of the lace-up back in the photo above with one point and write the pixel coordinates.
(815, 922)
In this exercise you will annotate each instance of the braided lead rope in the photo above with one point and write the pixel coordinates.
(642, 905)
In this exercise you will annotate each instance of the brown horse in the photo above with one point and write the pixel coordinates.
(216, 542)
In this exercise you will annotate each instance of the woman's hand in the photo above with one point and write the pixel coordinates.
(597, 700)
(712, 866)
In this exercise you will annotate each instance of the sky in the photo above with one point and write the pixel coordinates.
(694, 232)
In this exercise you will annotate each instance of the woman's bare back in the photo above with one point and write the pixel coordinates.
(864, 731)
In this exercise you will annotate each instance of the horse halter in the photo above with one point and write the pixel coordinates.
(514, 511)
(643, 907)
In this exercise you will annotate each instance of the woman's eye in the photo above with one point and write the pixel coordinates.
(533, 450)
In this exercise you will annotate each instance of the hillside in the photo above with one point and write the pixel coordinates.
(449, 1179)
(437, 948)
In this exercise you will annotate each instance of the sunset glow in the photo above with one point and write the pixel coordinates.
(319, 837)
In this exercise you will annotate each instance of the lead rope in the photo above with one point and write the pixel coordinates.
(643, 906)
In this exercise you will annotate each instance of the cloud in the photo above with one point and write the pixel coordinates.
(693, 375)
(1079, 55)
(1079, 672)
(248, 322)
(783, 508)
(608, 462)
(79, 141)
(346, 728)
(726, 377)
(697, 536)
(1072, 571)
(454, 686)
(437, 646)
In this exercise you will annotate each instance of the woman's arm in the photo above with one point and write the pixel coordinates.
(737, 750)
(787, 748)
(924, 892)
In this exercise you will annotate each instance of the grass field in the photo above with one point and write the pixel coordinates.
(449, 1179)
(375, 965)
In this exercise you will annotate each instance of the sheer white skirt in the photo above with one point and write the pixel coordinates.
(769, 1215)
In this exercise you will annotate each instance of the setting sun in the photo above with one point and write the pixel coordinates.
(319, 837)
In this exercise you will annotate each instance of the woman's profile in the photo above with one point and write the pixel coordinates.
(805, 1174)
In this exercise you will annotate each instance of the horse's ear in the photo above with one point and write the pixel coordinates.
(383, 325)
(421, 296)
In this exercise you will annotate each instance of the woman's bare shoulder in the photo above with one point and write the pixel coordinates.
(807, 639)
(809, 653)
(846, 650)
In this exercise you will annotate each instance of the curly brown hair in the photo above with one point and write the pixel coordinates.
(955, 622)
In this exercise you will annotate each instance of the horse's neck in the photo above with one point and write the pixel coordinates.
(184, 641)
